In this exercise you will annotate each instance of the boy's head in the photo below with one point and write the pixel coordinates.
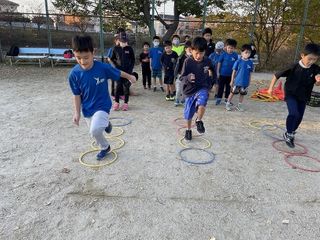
(156, 41)
(168, 46)
(246, 51)
(207, 34)
(199, 46)
(146, 46)
(175, 40)
(186, 38)
(231, 45)
(219, 46)
(83, 51)
(123, 39)
(188, 48)
(310, 54)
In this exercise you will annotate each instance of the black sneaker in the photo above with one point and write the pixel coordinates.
(109, 128)
(289, 138)
(200, 126)
(155, 89)
(103, 153)
(162, 89)
(188, 135)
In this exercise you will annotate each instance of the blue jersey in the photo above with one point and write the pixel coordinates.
(227, 60)
(92, 86)
(243, 68)
(214, 57)
(155, 54)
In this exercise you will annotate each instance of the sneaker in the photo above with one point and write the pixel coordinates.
(154, 89)
(144, 87)
(218, 101)
(149, 87)
(200, 126)
(162, 89)
(167, 98)
(109, 128)
(183, 101)
(116, 106)
(228, 106)
(289, 138)
(172, 98)
(176, 103)
(188, 135)
(125, 107)
(240, 107)
(103, 153)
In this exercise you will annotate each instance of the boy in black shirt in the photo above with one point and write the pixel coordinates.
(123, 59)
(169, 60)
(207, 35)
(301, 78)
(198, 76)
(145, 64)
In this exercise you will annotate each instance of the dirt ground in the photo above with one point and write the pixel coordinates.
(248, 192)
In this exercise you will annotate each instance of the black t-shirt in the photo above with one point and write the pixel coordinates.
(300, 80)
(123, 58)
(201, 72)
(169, 62)
(143, 56)
(210, 48)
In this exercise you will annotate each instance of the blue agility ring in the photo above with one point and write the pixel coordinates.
(265, 131)
(127, 121)
(211, 154)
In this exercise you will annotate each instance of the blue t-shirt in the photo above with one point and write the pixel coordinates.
(243, 69)
(92, 86)
(227, 60)
(155, 54)
(214, 57)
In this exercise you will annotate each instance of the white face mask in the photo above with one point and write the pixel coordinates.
(175, 41)
(156, 43)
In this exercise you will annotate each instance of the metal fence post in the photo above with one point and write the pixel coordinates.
(254, 21)
(101, 31)
(204, 14)
(48, 25)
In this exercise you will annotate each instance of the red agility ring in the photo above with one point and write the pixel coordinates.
(287, 156)
(304, 151)
(176, 121)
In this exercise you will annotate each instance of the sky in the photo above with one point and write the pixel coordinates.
(35, 5)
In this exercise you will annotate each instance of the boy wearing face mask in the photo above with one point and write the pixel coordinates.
(177, 72)
(145, 64)
(156, 67)
(241, 77)
(123, 59)
(176, 46)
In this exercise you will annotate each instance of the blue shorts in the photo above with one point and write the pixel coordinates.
(157, 73)
(192, 103)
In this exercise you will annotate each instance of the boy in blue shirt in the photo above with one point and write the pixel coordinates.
(156, 67)
(301, 77)
(198, 76)
(214, 57)
(168, 61)
(241, 77)
(89, 84)
(224, 69)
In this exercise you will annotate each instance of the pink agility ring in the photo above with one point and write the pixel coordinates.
(304, 151)
(286, 158)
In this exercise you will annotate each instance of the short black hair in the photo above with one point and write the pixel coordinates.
(231, 42)
(207, 30)
(120, 30)
(167, 43)
(187, 44)
(175, 36)
(245, 47)
(311, 48)
(156, 37)
(146, 43)
(82, 43)
(200, 44)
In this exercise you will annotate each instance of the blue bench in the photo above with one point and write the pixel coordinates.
(56, 57)
(30, 55)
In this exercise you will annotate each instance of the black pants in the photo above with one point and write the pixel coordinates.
(296, 111)
(113, 89)
(224, 82)
(146, 76)
(123, 87)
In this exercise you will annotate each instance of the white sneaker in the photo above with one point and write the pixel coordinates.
(228, 106)
(240, 107)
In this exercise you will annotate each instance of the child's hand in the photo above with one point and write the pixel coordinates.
(210, 73)
(191, 77)
(318, 78)
(231, 84)
(269, 92)
(132, 78)
(76, 119)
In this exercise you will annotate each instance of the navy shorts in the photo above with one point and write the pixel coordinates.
(168, 79)
(192, 103)
(157, 73)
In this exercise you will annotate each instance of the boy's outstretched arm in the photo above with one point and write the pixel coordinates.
(76, 104)
(273, 82)
(131, 78)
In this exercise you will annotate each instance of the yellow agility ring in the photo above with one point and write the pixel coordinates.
(209, 144)
(113, 139)
(257, 124)
(106, 163)
(116, 134)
